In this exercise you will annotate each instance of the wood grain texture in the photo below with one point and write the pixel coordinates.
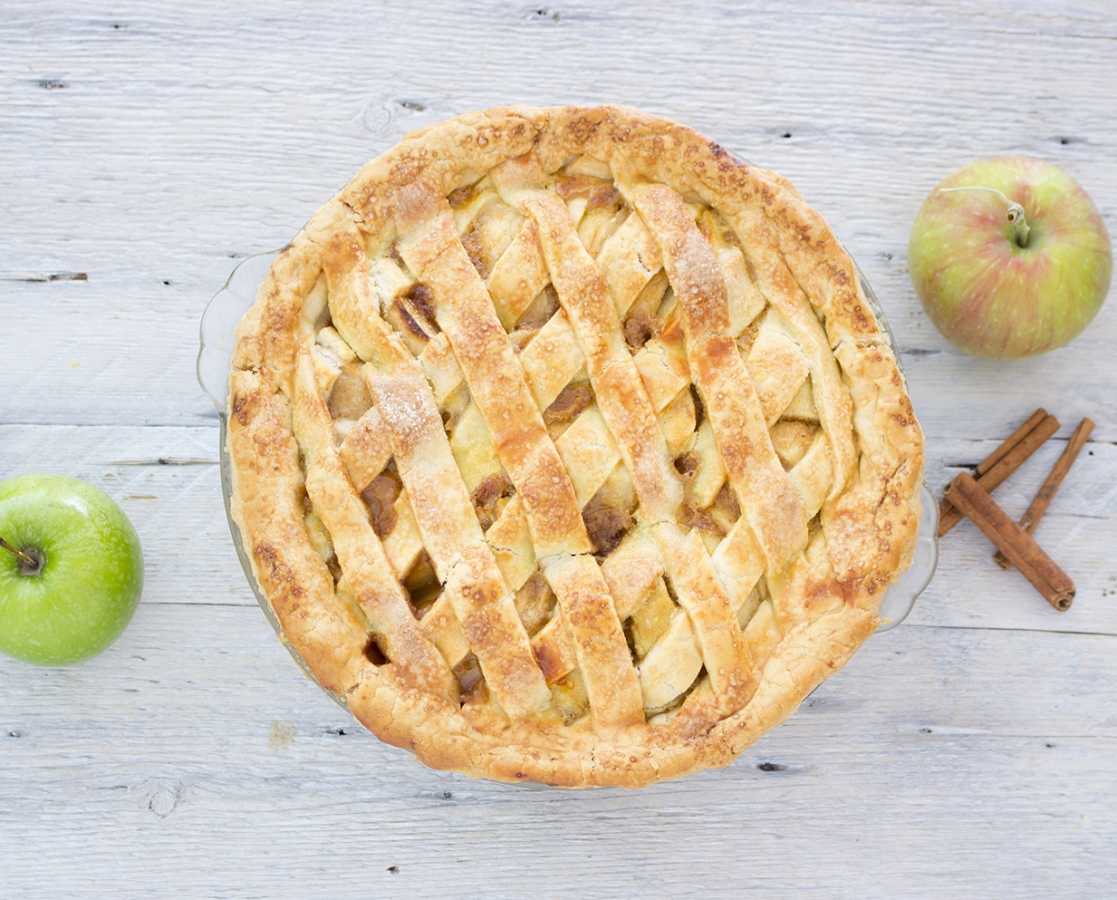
(919, 762)
(150, 146)
(147, 145)
(166, 479)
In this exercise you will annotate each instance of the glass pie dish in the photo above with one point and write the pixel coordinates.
(219, 323)
(567, 449)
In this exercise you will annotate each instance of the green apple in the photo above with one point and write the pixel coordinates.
(71, 569)
(1010, 257)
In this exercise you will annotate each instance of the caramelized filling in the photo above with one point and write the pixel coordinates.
(475, 250)
(381, 495)
(349, 397)
(535, 603)
(471, 681)
(568, 405)
(410, 322)
(686, 464)
(638, 330)
(606, 525)
(700, 519)
(487, 495)
(596, 192)
(373, 653)
(422, 585)
(411, 316)
(420, 300)
(539, 311)
(699, 409)
(463, 196)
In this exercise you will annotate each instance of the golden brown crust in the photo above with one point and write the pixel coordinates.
(567, 448)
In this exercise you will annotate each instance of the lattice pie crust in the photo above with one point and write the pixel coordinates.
(566, 447)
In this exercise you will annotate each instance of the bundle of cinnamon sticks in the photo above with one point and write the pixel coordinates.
(967, 496)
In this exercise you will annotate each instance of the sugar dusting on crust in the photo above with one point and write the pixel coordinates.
(823, 605)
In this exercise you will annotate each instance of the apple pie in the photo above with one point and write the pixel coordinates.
(566, 447)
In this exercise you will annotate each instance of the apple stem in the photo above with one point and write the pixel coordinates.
(29, 563)
(1016, 218)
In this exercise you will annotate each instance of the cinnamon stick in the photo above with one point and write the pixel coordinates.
(1017, 545)
(1039, 505)
(1006, 463)
(1011, 441)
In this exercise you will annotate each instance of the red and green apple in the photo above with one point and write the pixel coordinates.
(1010, 257)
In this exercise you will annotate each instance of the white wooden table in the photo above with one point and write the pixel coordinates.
(145, 148)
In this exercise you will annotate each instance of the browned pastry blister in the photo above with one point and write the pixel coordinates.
(567, 448)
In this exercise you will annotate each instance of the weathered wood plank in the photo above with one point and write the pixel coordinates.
(969, 752)
(933, 752)
(166, 480)
(848, 103)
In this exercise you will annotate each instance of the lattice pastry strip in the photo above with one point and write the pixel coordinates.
(552, 643)
(736, 418)
(530, 458)
(494, 377)
(628, 261)
(714, 620)
(367, 569)
(565, 447)
(777, 366)
(745, 302)
(761, 245)
(620, 392)
(453, 538)
(552, 359)
(604, 661)
(518, 276)
(366, 449)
